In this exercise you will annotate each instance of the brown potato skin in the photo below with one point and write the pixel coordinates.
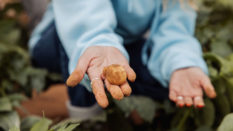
(115, 74)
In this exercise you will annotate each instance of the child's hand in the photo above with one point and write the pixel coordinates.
(187, 85)
(92, 62)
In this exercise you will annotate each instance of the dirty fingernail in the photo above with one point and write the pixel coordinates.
(200, 106)
(181, 105)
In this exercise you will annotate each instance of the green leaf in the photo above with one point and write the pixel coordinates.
(37, 78)
(145, 106)
(222, 104)
(226, 124)
(168, 107)
(20, 77)
(223, 66)
(204, 128)
(220, 86)
(206, 115)
(180, 118)
(226, 3)
(14, 129)
(55, 77)
(42, 125)
(225, 33)
(213, 73)
(221, 48)
(70, 127)
(17, 97)
(214, 60)
(7, 85)
(229, 91)
(12, 37)
(65, 123)
(8, 33)
(9, 119)
(28, 122)
(230, 58)
(5, 104)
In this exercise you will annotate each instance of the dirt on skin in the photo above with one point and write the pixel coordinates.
(52, 102)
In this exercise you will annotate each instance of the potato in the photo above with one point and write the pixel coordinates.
(115, 74)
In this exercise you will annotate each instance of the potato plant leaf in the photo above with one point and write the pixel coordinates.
(226, 3)
(9, 119)
(220, 86)
(28, 122)
(229, 90)
(145, 106)
(221, 48)
(5, 104)
(206, 115)
(222, 105)
(70, 127)
(42, 125)
(204, 128)
(17, 97)
(64, 124)
(8, 33)
(226, 124)
(14, 129)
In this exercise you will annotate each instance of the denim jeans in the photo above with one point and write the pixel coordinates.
(50, 54)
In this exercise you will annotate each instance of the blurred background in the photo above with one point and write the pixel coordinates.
(29, 96)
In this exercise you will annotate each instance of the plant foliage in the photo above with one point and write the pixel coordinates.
(214, 30)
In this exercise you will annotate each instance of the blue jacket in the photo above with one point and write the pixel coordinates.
(84, 23)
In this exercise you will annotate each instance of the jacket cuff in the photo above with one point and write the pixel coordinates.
(84, 113)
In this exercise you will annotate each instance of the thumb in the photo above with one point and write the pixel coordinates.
(208, 87)
(79, 72)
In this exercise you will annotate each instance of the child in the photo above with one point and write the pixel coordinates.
(84, 36)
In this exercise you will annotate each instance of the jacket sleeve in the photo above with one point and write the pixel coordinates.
(173, 45)
(84, 23)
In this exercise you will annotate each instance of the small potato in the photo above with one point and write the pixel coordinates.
(115, 74)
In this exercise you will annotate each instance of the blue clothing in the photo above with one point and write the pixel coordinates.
(84, 23)
(49, 53)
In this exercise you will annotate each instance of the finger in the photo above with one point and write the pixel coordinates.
(98, 87)
(102, 76)
(208, 87)
(180, 101)
(98, 90)
(126, 89)
(130, 73)
(114, 90)
(79, 72)
(188, 101)
(75, 78)
(198, 101)
(172, 95)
